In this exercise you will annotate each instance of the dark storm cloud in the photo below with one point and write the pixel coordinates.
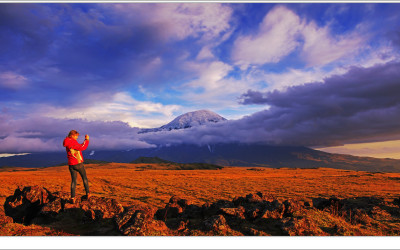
(62, 47)
(359, 106)
(26, 32)
(395, 37)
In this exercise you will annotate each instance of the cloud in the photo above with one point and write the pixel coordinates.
(209, 74)
(120, 107)
(212, 87)
(103, 47)
(395, 38)
(321, 48)
(362, 105)
(276, 38)
(26, 32)
(387, 149)
(283, 32)
(11, 80)
(299, 76)
(179, 21)
(204, 54)
(35, 134)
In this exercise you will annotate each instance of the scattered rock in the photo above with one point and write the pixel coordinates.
(103, 207)
(254, 214)
(171, 210)
(215, 208)
(292, 206)
(53, 207)
(254, 198)
(274, 210)
(396, 201)
(26, 203)
(216, 223)
(308, 204)
(134, 221)
(302, 227)
(237, 212)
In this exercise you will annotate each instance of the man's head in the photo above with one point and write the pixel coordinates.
(73, 134)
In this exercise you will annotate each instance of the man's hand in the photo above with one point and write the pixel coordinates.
(86, 137)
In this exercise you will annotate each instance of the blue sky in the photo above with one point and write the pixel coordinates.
(119, 67)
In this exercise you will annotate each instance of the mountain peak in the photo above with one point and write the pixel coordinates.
(188, 120)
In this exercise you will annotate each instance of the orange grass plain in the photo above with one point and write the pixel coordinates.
(153, 185)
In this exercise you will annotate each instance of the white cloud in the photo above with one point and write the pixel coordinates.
(121, 107)
(9, 155)
(146, 92)
(209, 74)
(292, 77)
(179, 20)
(12, 80)
(205, 53)
(276, 38)
(374, 56)
(213, 88)
(16, 144)
(321, 48)
(40, 133)
(282, 32)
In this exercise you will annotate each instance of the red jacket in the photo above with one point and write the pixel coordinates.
(74, 149)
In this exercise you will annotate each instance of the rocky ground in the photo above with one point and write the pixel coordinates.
(35, 210)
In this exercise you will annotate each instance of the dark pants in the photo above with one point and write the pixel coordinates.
(81, 170)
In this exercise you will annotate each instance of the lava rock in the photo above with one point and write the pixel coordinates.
(26, 203)
(216, 223)
(235, 212)
(134, 221)
(274, 210)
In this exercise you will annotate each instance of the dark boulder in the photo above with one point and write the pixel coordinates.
(135, 221)
(40, 206)
(26, 203)
(273, 210)
(301, 227)
(396, 201)
(292, 206)
(104, 208)
(235, 212)
(216, 223)
(332, 204)
(215, 208)
(171, 210)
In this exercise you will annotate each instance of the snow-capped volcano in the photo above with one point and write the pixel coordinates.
(189, 120)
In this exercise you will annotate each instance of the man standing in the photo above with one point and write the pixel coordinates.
(75, 160)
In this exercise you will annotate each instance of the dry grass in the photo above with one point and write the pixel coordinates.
(150, 184)
(129, 183)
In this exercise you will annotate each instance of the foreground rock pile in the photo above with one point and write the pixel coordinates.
(254, 214)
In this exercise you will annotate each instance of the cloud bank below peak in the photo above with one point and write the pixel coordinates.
(38, 134)
(362, 105)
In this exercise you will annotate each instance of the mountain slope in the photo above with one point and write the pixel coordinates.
(189, 120)
(223, 155)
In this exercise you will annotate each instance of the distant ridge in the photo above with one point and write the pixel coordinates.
(150, 160)
(175, 165)
(230, 154)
